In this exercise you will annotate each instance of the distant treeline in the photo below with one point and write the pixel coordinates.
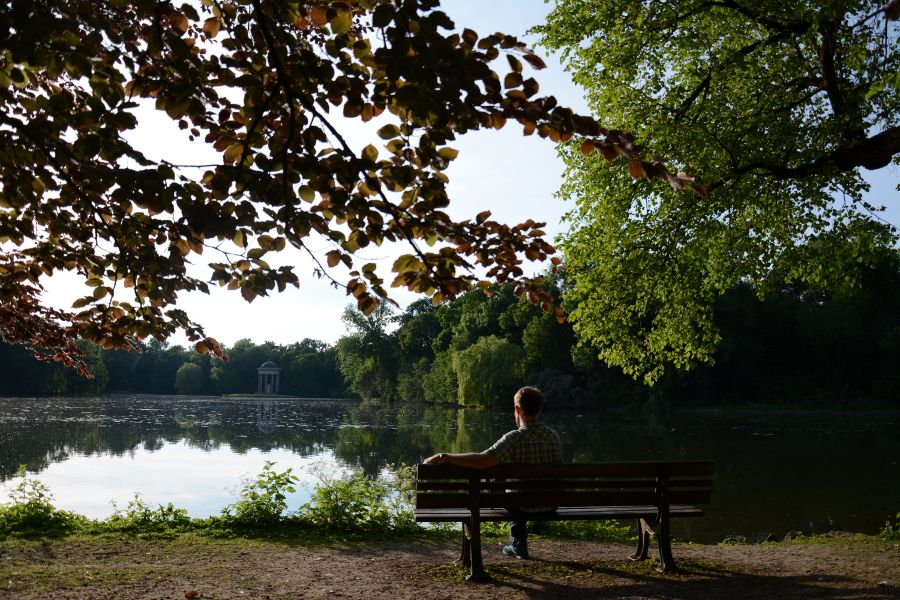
(796, 346)
(308, 369)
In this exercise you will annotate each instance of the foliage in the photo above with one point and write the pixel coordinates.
(607, 531)
(891, 529)
(264, 87)
(360, 504)
(439, 384)
(189, 379)
(310, 371)
(263, 500)
(138, 518)
(488, 371)
(777, 106)
(366, 354)
(32, 513)
(349, 504)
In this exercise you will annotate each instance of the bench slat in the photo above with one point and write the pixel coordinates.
(557, 470)
(562, 485)
(540, 484)
(582, 513)
(589, 498)
(531, 499)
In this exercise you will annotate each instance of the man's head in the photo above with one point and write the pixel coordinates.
(529, 400)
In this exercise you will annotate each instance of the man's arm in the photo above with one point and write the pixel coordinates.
(472, 460)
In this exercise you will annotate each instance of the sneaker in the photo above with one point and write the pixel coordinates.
(510, 551)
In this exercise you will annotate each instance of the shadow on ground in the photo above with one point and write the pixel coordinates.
(693, 580)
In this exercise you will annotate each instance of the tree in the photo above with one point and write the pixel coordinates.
(366, 355)
(776, 105)
(264, 84)
(488, 371)
(189, 379)
(439, 384)
(311, 371)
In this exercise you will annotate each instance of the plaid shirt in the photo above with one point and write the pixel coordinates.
(531, 443)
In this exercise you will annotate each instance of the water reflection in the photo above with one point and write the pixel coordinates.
(266, 416)
(774, 473)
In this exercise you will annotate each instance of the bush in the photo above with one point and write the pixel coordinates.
(359, 504)
(32, 513)
(263, 501)
(140, 519)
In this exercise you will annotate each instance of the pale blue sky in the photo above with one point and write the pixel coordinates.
(513, 176)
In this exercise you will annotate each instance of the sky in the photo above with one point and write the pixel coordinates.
(513, 176)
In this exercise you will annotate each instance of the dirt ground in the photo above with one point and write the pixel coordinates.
(93, 567)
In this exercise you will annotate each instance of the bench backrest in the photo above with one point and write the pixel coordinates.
(511, 485)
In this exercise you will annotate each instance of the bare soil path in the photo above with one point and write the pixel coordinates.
(843, 566)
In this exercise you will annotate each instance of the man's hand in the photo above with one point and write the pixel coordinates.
(472, 460)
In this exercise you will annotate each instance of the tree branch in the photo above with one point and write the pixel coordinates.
(870, 153)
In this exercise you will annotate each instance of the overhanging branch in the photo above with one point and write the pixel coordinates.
(870, 153)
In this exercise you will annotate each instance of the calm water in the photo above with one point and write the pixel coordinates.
(774, 473)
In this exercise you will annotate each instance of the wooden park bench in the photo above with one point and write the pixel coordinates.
(652, 492)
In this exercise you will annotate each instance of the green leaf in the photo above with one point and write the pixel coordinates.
(306, 193)
(342, 22)
(388, 132)
(448, 153)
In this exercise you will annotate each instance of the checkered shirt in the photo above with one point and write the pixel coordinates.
(531, 443)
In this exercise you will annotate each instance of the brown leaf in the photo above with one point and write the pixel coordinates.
(636, 169)
(318, 15)
(211, 26)
(535, 61)
(512, 80)
(587, 146)
(180, 22)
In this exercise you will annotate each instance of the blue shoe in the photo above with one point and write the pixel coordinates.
(510, 551)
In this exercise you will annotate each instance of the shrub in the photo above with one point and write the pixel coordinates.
(359, 504)
(32, 514)
(139, 518)
(263, 500)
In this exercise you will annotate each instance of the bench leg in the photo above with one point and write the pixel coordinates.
(643, 543)
(465, 558)
(476, 572)
(664, 541)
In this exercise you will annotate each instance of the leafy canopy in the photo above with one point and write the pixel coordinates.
(266, 85)
(779, 105)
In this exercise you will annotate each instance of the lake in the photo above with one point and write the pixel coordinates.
(775, 472)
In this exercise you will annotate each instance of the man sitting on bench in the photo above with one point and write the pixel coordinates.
(532, 442)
